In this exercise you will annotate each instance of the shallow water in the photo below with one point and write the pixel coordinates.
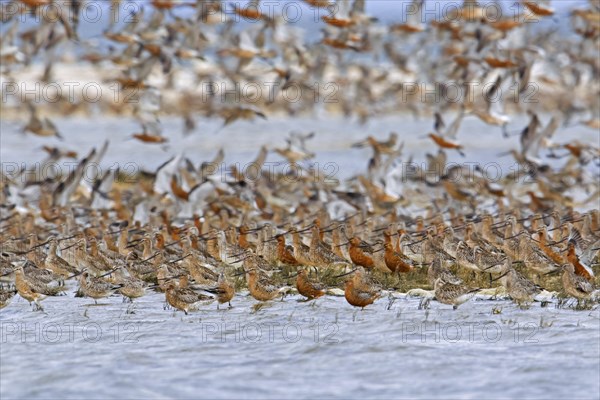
(293, 349)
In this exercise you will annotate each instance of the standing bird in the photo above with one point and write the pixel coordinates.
(56, 263)
(575, 285)
(519, 288)
(183, 298)
(96, 288)
(437, 270)
(307, 288)
(358, 256)
(396, 262)
(360, 293)
(285, 253)
(224, 290)
(132, 288)
(27, 290)
(452, 294)
(261, 288)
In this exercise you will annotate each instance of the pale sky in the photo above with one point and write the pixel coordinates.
(388, 11)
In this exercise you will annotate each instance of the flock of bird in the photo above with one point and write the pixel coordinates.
(207, 59)
(198, 235)
(185, 231)
(200, 259)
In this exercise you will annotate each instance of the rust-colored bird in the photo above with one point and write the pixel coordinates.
(170, 4)
(224, 290)
(360, 293)
(337, 22)
(395, 261)
(538, 9)
(578, 267)
(506, 24)
(285, 253)
(576, 285)
(26, 289)
(318, 3)
(446, 144)
(307, 288)
(251, 11)
(36, 3)
(147, 138)
(177, 190)
(358, 256)
(499, 63)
